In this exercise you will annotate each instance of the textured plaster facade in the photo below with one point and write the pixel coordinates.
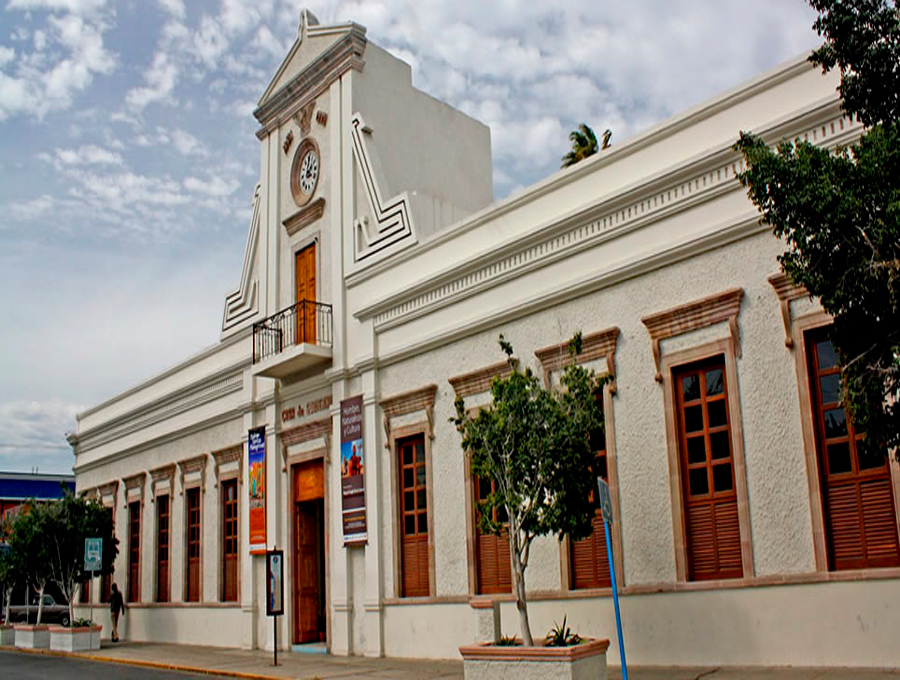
(422, 273)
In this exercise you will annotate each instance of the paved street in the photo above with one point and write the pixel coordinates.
(24, 666)
(124, 661)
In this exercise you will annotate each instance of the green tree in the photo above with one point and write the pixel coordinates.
(9, 574)
(535, 444)
(839, 211)
(69, 521)
(30, 550)
(584, 144)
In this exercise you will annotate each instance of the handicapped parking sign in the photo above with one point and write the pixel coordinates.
(93, 554)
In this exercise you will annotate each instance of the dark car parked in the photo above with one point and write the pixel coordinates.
(53, 612)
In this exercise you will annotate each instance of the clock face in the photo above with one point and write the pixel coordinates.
(309, 172)
(305, 172)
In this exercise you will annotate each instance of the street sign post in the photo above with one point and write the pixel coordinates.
(93, 561)
(606, 510)
(275, 593)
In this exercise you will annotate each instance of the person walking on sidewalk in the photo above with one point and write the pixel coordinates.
(116, 607)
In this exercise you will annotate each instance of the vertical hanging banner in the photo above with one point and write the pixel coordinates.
(353, 458)
(256, 464)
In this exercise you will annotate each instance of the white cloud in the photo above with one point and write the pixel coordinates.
(73, 6)
(32, 434)
(216, 186)
(40, 86)
(7, 54)
(160, 78)
(173, 7)
(88, 155)
(186, 144)
(33, 209)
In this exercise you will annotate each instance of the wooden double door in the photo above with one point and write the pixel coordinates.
(309, 552)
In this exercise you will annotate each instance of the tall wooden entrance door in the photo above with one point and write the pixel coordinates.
(305, 276)
(309, 552)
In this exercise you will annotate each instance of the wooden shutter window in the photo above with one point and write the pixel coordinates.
(162, 548)
(229, 541)
(413, 518)
(858, 503)
(712, 529)
(134, 551)
(193, 545)
(492, 559)
(589, 564)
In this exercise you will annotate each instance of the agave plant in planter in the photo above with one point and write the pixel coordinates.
(534, 443)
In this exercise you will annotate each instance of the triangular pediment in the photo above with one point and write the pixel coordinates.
(312, 42)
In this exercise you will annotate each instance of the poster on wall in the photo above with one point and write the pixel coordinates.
(353, 464)
(275, 583)
(256, 464)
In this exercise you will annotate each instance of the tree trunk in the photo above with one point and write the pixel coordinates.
(9, 592)
(40, 603)
(70, 592)
(518, 574)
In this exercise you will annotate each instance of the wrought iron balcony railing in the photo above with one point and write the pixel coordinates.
(305, 321)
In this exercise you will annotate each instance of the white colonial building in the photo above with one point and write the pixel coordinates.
(378, 274)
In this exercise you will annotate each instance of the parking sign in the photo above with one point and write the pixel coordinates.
(93, 554)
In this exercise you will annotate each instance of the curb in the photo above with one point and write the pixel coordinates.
(144, 663)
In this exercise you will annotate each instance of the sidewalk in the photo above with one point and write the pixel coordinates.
(258, 664)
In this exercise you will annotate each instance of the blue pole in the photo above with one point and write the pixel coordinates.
(615, 592)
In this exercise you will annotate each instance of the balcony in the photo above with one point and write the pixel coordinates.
(296, 338)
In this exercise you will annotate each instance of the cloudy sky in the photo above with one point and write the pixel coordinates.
(128, 156)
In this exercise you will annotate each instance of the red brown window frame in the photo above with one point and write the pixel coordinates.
(413, 515)
(588, 559)
(230, 544)
(163, 547)
(134, 551)
(865, 491)
(193, 544)
(493, 567)
(706, 458)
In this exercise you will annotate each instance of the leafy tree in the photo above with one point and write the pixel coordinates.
(535, 444)
(9, 575)
(30, 549)
(584, 144)
(839, 211)
(70, 521)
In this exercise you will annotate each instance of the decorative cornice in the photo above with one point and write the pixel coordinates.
(191, 396)
(192, 465)
(787, 290)
(420, 399)
(312, 81)
(669, 192)
(242, 303)
(166, 473)
(304, 217)
(698, 314)
(227, 456)
(108, 489)
(316, 429)
(393, 216)
(593, 346)
(480, 379)
(135, 482)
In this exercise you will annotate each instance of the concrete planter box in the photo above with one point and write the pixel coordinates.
(486, 661)
(32, 637)
(75, 639)
(7, 635)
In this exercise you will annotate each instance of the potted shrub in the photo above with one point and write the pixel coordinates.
(81, 636)
(534, 443)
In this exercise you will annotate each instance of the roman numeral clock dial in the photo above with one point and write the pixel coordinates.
(305, 172)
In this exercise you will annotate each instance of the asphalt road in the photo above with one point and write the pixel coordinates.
(24, 666)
